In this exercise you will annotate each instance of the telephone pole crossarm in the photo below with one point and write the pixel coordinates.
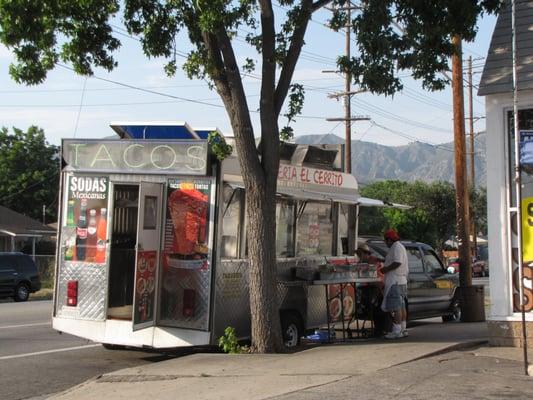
(353, 118)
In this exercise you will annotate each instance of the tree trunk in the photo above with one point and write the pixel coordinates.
(260, 178)
(266, 337)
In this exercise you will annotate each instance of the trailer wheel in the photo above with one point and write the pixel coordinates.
(291, 327)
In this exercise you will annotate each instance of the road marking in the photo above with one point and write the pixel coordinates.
(26, 325)
(49, 351)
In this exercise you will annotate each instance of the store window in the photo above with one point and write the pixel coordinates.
(231, 222)
(525, 122)
(342, 243)
(285, 218)
(314, 229)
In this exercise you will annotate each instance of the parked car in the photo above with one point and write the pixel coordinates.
(19, 276)
(431, 288)
(479, 267)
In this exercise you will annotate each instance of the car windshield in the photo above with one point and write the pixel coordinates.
(380, 247)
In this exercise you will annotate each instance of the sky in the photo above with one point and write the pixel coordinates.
(70, 106)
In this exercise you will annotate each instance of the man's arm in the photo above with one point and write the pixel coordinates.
(392, 266)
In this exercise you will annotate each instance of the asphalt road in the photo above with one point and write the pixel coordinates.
(35, 360)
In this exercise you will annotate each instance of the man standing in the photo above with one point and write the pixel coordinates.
(395, 269)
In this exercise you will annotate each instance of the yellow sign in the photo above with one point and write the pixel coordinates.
(527, 229)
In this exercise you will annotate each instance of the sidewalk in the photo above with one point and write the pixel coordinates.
(328, 370)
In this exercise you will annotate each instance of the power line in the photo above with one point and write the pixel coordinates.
(407, 136)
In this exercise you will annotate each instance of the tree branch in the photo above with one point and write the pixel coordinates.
(293, 54)
(268, 80)
(218, 74)
(319, 4)
(239, 111)
(269, 128)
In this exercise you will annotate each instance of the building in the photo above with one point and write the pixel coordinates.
(17, 229)
(496, 85)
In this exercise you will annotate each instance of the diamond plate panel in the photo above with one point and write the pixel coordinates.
(232, 301)
(174, 283)
(92, 290)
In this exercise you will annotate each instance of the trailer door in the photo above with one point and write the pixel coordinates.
(147, 254)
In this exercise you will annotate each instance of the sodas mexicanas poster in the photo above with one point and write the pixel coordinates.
(85, 221)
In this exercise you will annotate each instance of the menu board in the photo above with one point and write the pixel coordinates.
(186, 225)
(145, 286)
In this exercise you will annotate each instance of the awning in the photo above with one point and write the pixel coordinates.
(307, 194)
(368, 202)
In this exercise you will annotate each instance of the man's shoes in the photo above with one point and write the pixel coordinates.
(393, 335)
(404, 333)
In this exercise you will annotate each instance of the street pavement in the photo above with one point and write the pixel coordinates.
(436, 361)
(36, 360)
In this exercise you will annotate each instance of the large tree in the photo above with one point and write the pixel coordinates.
(29, 173)
(391, 36)
(430, 220)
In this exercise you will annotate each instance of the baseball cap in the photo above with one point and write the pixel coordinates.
(391, 234)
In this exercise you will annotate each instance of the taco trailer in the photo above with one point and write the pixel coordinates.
(152, 247)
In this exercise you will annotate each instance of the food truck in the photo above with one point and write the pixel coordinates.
(152, 239)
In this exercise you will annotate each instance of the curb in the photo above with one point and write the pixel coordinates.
(448, 349)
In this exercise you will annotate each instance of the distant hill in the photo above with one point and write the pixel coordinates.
(415, 161)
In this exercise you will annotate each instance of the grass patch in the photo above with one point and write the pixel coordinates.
(43, 294)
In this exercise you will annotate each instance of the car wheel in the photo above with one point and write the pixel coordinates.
(292, 330)
(22, 292)
(455, 313)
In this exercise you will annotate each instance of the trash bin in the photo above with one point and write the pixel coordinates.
(472, 303)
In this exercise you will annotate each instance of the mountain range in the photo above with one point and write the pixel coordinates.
(414, 161)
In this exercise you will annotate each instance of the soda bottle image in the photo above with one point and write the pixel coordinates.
(69, 249)
(81, 232)
(70, 213)
(101, 237)
(91, 237)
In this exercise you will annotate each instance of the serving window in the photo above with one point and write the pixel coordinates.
(233, 213)
(285, 222)
(314, 229)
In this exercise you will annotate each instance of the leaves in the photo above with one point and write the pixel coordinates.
(219, 146)
(431, 220)
(29, 172)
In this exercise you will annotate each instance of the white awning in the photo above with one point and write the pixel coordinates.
(308, 194)
(368, 202)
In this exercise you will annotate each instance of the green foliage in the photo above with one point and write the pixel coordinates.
(396, 35)
(390, 36)
(29, 173)
(296, 104)
(219, 146)
(478, 204)
(431, 220)
(229, 343)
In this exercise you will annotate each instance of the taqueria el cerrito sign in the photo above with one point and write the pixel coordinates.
(187, 157)
(298, 176)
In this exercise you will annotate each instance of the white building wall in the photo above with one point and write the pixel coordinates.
(498, 184)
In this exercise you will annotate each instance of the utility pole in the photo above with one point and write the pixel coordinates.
(348, 118)
(348, 98)
(472, 307)
(472, 156)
